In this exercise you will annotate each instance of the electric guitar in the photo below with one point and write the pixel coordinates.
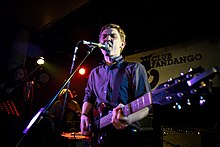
(169, 92)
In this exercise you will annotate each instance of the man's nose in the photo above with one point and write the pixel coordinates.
(108, 38)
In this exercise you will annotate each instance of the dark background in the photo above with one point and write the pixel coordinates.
(55, 27)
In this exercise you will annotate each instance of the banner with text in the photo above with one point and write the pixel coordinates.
(169, 62)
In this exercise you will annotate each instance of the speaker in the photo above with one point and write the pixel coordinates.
(180, 137)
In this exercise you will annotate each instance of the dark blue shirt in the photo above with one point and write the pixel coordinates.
(102, 79)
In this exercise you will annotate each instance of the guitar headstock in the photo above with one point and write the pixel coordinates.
(182, 88)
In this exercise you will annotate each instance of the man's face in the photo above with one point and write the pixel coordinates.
(111, 37)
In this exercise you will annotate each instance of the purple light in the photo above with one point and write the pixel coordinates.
(33, 120)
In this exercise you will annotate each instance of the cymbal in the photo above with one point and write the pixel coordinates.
(74, 135)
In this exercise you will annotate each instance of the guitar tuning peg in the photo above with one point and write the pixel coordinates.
(182, 74)
(177, 106)
(169, 98)
(201, 100)
(166, 85)
(193, 91)
(189, 76)
(190, 69)
(188, 102)
(180, 94)
(177, 81)
(170, 80)
(202, 84)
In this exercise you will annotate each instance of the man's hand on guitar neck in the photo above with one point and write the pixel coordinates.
(118, 120)
(121, 122)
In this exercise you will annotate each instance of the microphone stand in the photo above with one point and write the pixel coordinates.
(40, 114)
(68, 84)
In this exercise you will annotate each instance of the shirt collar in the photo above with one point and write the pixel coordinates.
(116, 63)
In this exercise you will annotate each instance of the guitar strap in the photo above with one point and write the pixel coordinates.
(117, 83)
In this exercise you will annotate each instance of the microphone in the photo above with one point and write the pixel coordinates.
(100, 45)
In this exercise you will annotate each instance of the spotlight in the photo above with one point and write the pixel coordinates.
(82, 71)
(40, 61)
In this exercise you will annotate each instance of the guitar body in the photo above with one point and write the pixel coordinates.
(104, 131)
(100, 135)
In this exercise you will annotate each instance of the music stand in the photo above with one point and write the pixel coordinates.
(9, 108)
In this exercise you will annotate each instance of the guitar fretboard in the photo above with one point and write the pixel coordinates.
(130, 108)
(137, 104)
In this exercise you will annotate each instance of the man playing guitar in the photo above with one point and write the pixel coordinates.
(110, 86)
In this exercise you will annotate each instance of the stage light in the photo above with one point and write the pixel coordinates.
(82, 71)
(40, 61)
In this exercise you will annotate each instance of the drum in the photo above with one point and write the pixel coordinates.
(76, 139)
(74, 135)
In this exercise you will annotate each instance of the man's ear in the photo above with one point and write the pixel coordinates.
(123, 45)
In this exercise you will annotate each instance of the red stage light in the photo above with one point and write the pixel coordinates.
(82, 71)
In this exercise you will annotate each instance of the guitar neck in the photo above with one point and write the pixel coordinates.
(166, 93)
(128, 109)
